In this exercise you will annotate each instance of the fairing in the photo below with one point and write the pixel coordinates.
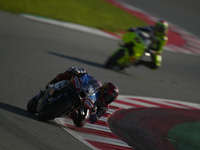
(86, 90)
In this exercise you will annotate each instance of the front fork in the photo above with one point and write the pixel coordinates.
(40, 94)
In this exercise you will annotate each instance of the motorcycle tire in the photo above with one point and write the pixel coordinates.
(55, 111)
(32, 105)
(112, 61)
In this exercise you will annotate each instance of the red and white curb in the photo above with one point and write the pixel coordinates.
(99, 136)
(179, 39)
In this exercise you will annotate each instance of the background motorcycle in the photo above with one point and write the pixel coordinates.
(64, 97)
(135, 46)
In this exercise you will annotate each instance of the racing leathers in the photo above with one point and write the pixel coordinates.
(156, 47)
(99, 108)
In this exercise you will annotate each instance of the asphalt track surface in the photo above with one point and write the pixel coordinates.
(32, 53)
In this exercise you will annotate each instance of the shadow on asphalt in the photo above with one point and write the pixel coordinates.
(78, 59)
(92, 63)
(124, 72)
(17, 110)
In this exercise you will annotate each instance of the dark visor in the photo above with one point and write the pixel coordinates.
(108, 98)
(160, 28)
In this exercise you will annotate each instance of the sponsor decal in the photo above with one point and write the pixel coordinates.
(88, 103)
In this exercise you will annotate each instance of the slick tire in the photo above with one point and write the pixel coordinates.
(32, 104)
(112, 61)
(55, 111)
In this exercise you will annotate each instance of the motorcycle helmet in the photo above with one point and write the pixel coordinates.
(109, 93)
(161, 27)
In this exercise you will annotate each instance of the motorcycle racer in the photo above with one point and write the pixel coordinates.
(158, 34)
(105, 95)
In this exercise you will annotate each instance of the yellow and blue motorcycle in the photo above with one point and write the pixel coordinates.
(135, 45)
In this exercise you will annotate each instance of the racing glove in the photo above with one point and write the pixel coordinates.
(93, 116)
(76, 72)
(73, 71)
(93, 110)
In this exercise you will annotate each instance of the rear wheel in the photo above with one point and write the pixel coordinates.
(112, 61)
(55, 111)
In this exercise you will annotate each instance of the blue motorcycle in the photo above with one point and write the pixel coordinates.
(64, 97)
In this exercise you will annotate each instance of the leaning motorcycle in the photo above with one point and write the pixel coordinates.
(64, 97)
(134, 47)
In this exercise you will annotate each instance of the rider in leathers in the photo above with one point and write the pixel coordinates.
(105, 95)
(159, 38)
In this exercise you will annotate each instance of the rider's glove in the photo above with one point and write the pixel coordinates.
(93, 116)
(93, 110)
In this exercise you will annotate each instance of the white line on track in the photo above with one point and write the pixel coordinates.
(70, 26)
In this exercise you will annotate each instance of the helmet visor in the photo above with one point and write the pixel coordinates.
(160, 28)
(108, 98)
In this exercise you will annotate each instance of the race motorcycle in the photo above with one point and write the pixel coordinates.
(124, 56)
(64, 97)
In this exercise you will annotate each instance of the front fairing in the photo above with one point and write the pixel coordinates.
(89, 101)
(88, 94)
(79, 82)
(85, 89)
(49, 92)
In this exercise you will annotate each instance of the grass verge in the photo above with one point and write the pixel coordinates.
(94, 13)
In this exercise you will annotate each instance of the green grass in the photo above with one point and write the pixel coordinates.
(93, 13)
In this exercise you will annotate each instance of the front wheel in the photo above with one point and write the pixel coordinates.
(32, 104)
(55, 111)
